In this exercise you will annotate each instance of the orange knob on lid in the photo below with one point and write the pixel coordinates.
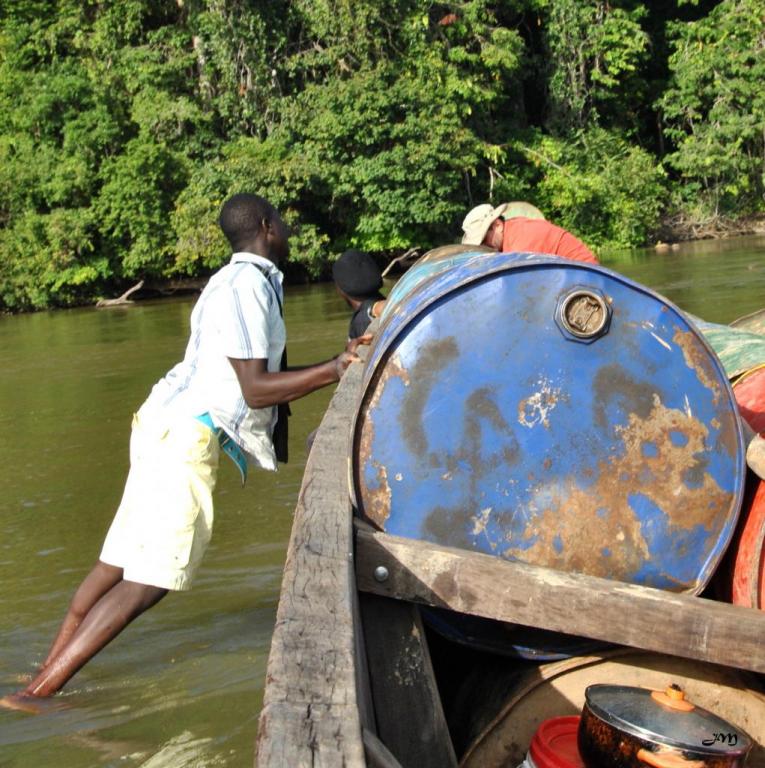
(673, 696)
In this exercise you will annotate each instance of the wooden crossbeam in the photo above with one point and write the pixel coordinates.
(614, 612)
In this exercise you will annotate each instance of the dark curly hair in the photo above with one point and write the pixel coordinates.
(242, 216)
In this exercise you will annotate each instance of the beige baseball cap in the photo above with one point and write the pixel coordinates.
(477, 222)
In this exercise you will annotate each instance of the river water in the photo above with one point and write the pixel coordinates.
(183, 686)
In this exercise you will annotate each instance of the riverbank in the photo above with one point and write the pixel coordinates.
(678, 228)
(674, 230)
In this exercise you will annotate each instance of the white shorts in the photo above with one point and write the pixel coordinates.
(165, 519)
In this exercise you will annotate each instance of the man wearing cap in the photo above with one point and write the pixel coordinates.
(358, 280)
(521, 227)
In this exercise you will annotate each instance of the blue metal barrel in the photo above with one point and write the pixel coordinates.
(428, 266)
(549, 412)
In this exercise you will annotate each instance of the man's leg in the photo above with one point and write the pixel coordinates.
(94, 586)
(107, 618)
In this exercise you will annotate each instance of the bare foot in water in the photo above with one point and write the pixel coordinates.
(22, 702)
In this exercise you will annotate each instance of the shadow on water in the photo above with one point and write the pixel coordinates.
(183, 685)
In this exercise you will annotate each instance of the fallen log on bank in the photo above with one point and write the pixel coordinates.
(157, 287)
(121, 301)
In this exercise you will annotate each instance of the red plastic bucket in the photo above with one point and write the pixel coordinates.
(554, 744)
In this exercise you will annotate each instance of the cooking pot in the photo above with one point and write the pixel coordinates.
(627, 727)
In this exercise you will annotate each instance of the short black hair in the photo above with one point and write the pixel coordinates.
(242, 216)
(356, 274)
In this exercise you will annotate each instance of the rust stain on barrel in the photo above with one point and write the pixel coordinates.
(423, 375)
(449, 526)
(698, 359)
(574, 515)
(613, 383)
(480, 406)
(483, 404)
(729, 434)
(537, 407)
(377, 500)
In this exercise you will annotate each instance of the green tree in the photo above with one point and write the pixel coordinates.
(379, 153)
(97, 123)
(135, 203)
(715, 108)
(375, 123)
(595, 52)
(53, 131)
(236, 45)
(598, 185)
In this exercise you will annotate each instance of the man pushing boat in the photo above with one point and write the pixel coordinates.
(221, 397)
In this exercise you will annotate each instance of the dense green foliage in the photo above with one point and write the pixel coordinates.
(373, 123)
(715, 107)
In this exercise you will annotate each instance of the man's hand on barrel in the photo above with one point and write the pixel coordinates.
(345, 358)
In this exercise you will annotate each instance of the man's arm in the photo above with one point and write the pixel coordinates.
(261, 388)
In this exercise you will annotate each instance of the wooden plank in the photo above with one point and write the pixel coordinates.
(310, 714)
(755, 456)
(481, 585)
(363, 689)
(378, 755)
(321, 732)
(753, 322)
(409, 715)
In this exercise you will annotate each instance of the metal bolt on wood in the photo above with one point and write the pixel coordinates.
(381, 573)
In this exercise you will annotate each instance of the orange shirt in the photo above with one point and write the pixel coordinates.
(539, 236)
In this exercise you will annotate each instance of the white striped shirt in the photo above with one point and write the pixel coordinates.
(237, 315)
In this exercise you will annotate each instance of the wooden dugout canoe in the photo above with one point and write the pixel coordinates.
(355, 678)
(351, 678)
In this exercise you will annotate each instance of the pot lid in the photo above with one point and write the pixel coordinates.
(666, 717)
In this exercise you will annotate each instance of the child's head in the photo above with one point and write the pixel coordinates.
(357, 275)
